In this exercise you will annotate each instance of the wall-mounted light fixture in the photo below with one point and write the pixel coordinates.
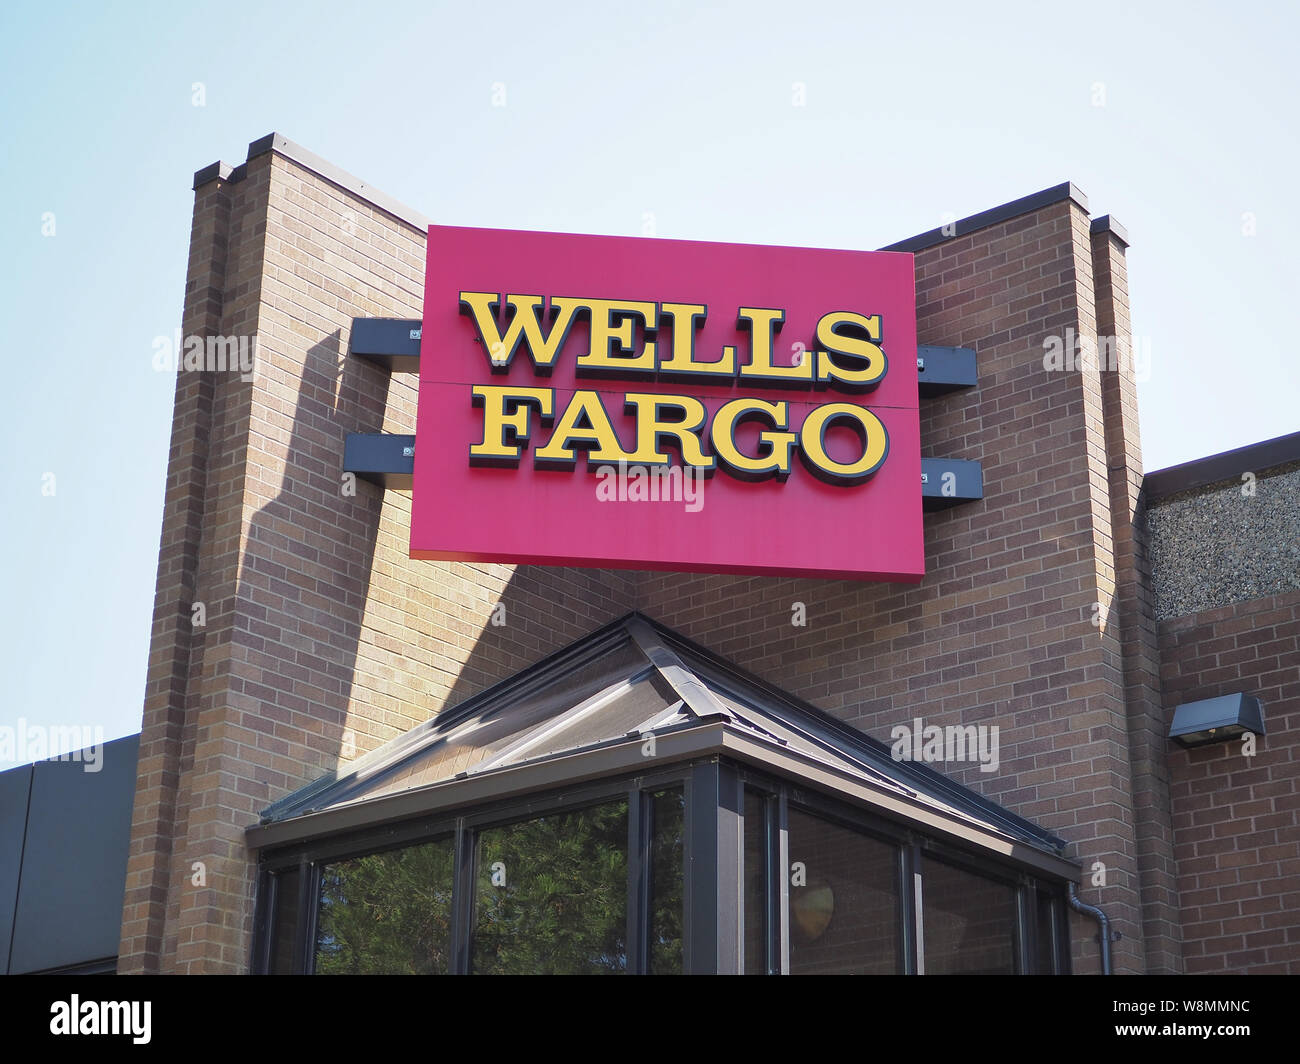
(1216, 720)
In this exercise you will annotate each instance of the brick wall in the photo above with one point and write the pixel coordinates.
(1237, 818)
(1001, 631)
(322, 639)
(1133, 609)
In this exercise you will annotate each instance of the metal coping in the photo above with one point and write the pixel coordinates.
(1228, 465)
(1056, 194)
(275, 142)
(1109, 224)
(349, 183)
(622, 757)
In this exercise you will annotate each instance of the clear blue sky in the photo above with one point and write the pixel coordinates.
(914, 113)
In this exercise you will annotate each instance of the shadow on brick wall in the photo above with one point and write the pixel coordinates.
(305, 571)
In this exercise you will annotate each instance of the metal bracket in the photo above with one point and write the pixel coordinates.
(382, 458)
(949, 482)
(394, 343)
(944, 369)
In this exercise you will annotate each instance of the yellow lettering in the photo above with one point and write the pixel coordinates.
(584, 424)
(775, 462)
(871, 362)
(686, 318)
(499, 422)
(871, 435)
(613, 327)
(763, 324)
(650, 427)
(525, 324)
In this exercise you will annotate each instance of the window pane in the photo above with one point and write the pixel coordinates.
(756, 894)
(551, 895)
(844, 911)
(286, 922)
(387, 913)
(1047, 934)
(969, 922)
(666, 912)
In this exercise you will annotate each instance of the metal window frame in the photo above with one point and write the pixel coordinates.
(712, 870)
(713, 867)
(913, 847)
(1023, 901)
(310, 857)
(819, 808)
(775, 891)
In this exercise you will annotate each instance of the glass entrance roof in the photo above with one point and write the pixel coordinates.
(591, 710)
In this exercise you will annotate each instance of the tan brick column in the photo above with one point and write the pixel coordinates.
(1141, 655)
(174, 638)
(323, 639)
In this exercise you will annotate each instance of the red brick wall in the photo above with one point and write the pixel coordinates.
(324, 639)
(1000, 630)
(1237, 819)
(1134, 613)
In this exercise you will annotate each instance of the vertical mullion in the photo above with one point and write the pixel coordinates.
(690, 790)
(462, 898)
(711, 946)
(1060, 936)
(912, 897)
(640, 828)
(1027, 930)
(780, 884)
(771, 851)
(263, 914)
(308, 894)
(731, 858)
(702, 862)
(907, 908)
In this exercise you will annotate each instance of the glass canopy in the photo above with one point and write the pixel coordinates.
(637, 804)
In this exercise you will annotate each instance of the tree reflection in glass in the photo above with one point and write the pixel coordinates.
(666, 909)
(387, 913)
(551, 895)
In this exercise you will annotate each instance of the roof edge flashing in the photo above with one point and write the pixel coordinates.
(1222, 468)
(323, 168)
(1109, 224)
(1067, 190)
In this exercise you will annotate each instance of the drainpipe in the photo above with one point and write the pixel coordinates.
(1103, 924)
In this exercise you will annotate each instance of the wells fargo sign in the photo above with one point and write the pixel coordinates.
(665, 404)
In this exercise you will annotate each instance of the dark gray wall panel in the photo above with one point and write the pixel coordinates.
(74, 867)
(14, 787)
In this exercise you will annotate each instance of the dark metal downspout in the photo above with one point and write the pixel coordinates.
(1103, 924)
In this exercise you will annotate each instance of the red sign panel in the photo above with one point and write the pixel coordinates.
(668, 404)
